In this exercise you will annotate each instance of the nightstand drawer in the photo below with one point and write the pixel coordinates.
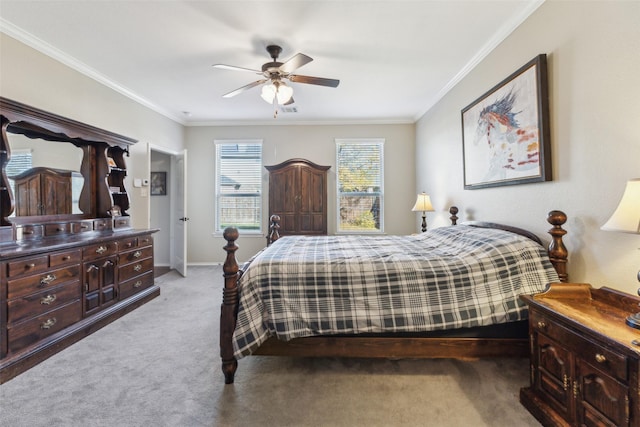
(610, 362)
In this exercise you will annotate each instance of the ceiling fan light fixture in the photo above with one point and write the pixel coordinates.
(278, 90)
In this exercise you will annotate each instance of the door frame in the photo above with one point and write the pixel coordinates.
(171, 185)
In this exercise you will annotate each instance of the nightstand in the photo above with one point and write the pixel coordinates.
(584, 363)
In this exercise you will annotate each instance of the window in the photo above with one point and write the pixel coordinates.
(360, 185)
(21, 160)
(239, 185)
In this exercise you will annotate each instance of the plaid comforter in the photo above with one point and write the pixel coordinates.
(447, 278)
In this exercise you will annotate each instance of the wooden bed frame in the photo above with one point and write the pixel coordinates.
(388, 346)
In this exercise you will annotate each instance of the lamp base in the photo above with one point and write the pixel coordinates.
(634, 321)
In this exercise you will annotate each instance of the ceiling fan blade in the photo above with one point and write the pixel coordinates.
(234, 68)
(314, 80)
(289, 102)
(243, 88)
(295, 62)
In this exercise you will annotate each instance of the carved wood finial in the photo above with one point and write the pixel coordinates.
(274, 226)
(453, 210)
(558, 253)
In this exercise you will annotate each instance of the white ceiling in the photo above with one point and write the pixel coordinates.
(394, 59)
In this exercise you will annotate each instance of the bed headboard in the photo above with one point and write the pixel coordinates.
(558, 253)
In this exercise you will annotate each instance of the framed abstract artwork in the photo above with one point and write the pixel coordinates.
(505, 133)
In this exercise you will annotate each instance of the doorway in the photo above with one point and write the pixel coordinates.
(167, 210)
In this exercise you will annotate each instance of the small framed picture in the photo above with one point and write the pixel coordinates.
(158, 183)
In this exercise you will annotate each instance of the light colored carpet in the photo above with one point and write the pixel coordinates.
(160, 366)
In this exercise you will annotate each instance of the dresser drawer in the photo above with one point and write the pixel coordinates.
(102, 224)
(38, 282)
(57, 229)
(64, 258)
(128, 243)
(26, 333)
(135, 255)
(145, 240)
(137, 268)
(29, 232)
(121, 222)
(100, 250)
(131, 286)
(36, 304)
(81, 226)
(28, 266)
(608, 361)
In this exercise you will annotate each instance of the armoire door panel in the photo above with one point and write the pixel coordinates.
(298, 194)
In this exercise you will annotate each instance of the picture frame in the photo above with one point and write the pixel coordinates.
(505, 132)
(158, 183)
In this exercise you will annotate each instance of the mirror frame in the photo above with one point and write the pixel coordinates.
(98, 145)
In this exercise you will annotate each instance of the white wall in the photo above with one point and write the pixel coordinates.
(593, 52)
(35, 79)
(315, 143)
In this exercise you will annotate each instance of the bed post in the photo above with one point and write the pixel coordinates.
(453, 210)
(558, 253)
(274, 226)
(229, 308)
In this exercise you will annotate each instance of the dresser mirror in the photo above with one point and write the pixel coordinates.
(31, 161)
(57, 171)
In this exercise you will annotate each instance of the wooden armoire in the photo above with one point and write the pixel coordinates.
(298, 194)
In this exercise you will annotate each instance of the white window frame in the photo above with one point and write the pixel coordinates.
(218, 229)
(362, 141)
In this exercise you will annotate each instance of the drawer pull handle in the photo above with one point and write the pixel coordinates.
(59, 229)
(600, 358)
(84, 227)
(48, 299)
(66, 258)
(542, 325)
(138, 267)
(27, 232)
(565, 382)
(47, 279)
(29, 266)
(101, 250)
(137, 284)
(48, 323)
(137, 254)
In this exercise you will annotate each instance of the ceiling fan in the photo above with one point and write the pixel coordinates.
(274, 73)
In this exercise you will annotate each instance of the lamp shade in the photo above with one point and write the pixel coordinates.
(423, 203)
(626, 217)
(279, 90)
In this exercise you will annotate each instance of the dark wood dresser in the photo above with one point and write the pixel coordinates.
(585, 362)
(70, 262)
(298, 195)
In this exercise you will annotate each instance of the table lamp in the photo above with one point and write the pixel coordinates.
(423, 204)
(626, 218)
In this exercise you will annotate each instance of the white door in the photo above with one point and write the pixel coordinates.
(180, 225)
